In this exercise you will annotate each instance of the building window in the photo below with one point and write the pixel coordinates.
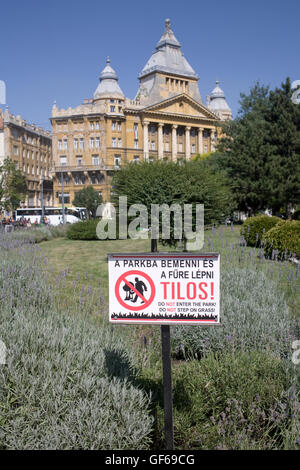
(136, 159)
(59, 143)
(66, 198)
(153, 145)
(114, 142)
(153, 129)
(151, 159)
(76, 143)
(97, 126)
(193, 148)
(119, 126)
(113, 126)
(95, 159)
(65, 144)
(32, 170)
(112, 109)
(81, 143)
(91, 126)
(112, 101)
(117, 161)
(91, 143)
(79, 161)
(120, 109)
(97, 142)
(180, 147)
(119, 143)
(136, 144)
(27, 153)
(63, 161)
(167, 146)
(205, 149)
(15, 150)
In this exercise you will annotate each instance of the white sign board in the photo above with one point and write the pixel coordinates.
(164, 288)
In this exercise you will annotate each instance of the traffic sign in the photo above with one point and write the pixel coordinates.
(164, 288)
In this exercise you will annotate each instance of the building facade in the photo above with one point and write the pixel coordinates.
(31, 148)
(166, 120)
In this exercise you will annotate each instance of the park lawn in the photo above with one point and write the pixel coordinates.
(86, 262)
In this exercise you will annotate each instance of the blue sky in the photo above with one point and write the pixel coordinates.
(55, 50)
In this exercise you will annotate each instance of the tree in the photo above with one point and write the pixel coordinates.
(88, 198)
(13, 186)
(173, 183)
(284, 133)
(260, 150)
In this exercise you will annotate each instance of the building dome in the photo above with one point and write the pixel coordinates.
(217, 102)
(167, 57)
(108, 86)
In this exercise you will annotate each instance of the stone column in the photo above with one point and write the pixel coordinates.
(187, 143)
(160, 141)
(146, 143)
(174, 142)
(212, 140)
(200, 140)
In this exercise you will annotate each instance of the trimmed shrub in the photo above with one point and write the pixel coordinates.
(254, 228)
(70, 380)
(283, 240)
(230, 402)
(296, 215)
(37, 234)
(254, 316)
(85, 230)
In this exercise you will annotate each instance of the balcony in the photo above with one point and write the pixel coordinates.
(81, 168)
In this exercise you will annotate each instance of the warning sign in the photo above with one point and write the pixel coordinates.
(164, 288)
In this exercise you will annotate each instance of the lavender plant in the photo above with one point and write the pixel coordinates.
(69, 382)
(254, 316)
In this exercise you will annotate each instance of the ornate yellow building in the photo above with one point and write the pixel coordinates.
(166, 120)
(30, 147)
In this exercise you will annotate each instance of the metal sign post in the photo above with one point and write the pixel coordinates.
(167, 377)
(167, 383)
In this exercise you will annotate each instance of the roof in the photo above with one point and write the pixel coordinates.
(108, 85)
(168, 57)
(217, 99)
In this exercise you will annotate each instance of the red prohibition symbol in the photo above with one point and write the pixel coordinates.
(123, 278)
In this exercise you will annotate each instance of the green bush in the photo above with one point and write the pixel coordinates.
(283, 240)
(85, 230)
(254, 228)
(229, 402)
(296, 215)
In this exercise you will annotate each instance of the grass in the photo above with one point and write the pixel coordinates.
(87, 261)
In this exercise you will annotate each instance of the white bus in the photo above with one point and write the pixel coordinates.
(53, 214)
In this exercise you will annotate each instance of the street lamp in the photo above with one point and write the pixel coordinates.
(42, 194)
(62, 197)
